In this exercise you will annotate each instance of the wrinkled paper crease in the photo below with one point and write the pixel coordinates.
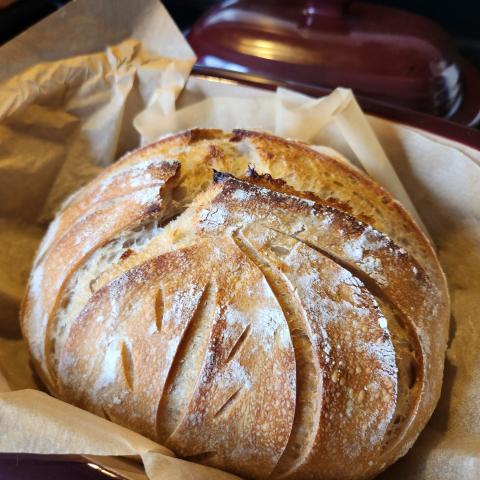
(64, 118)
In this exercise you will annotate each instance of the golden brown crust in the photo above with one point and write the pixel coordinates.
(76, 239)
(250, 425)
(374, 259)
(294, 322)
(384, 205)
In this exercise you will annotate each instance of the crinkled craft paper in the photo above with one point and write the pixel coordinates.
(68, 108)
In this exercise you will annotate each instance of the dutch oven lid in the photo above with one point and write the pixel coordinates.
(382, 53)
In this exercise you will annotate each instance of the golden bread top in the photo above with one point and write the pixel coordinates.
(250, 303)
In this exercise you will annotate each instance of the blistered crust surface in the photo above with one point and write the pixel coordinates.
(283, 326)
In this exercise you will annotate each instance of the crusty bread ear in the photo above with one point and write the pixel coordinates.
(87, 223)
(324, 173)
(288, 324)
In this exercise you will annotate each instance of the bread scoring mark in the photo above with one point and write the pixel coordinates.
(127, 364)
(226, 407)
(416, 368)
(242, 195)
(82, 282)
(238, 344)
(308, 375)
(107, 221)
(181, 382)
(149, 197)
(159, 309)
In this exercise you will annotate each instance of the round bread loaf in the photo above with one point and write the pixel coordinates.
(251, 303)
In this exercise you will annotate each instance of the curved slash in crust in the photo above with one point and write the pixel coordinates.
(127, 364)
(238, 344)
(415, 372)
(307, 364)
(228, 404)
(159, 309)
(181, 379)
(138, 212)
(92, 210)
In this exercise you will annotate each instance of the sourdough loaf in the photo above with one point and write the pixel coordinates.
(250, 303)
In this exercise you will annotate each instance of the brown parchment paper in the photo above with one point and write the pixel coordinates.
(67, 110)
(69, 88)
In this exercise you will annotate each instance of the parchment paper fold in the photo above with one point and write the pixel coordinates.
(93, 81)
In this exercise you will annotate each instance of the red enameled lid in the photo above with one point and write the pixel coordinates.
(382, 53)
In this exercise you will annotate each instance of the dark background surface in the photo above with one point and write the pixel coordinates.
(461, 18)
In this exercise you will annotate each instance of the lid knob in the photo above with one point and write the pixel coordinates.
(330, 8)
